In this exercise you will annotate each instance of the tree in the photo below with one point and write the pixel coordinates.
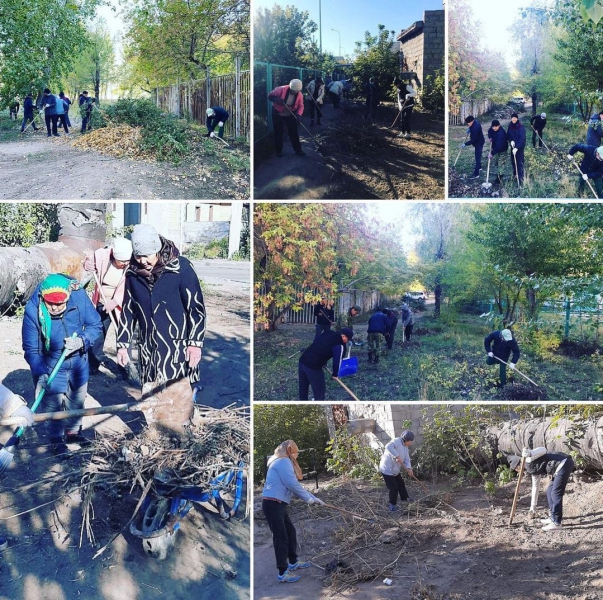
(374, 58)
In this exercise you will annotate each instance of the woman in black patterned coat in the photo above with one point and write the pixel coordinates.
(164, 298)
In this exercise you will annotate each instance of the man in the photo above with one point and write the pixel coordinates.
(86, 106)
(316, 97)
(591, 166)
(516, 136)
(13, 109)
(287, 109)
(67, 104)
(498, 146)
(49, 104)
(476, 139)
(499, 345)
(377, 328)
(346, 319)
(395, 456)
(538, 123)
(325, 317)
(559, 466)
(329, 345)
(216, 117)
(28, 113)
(60, 108)
(408, 321)
(390, 330)
(594, 133)
(373, 97)
(406, 103)
(336, 92)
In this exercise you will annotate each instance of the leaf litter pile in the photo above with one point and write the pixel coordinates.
(122, 141)
(218, 440)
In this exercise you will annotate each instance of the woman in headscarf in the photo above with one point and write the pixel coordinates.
(59, 308)
(282, 482)
(163, 297)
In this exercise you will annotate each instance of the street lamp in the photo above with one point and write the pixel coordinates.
(336, 31)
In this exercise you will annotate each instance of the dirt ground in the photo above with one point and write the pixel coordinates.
(44, 560)
(357, 159)
(41, 168)
(456, 548)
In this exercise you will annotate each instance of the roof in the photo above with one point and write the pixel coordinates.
(415, 29)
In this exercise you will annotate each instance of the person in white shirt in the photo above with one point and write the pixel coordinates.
(395, 456)
(559, 466)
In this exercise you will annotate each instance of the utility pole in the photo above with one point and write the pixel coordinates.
(339, 32)
(320, 24)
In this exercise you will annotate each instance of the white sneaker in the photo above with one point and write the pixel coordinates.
(546, 521)
(406, 136)
(551, 527)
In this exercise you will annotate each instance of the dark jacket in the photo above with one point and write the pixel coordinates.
(67, 103)
(516, 132)
(547, 464)
(51, 104)
(590, 164)
(476, 135)
(79, 317)
(372, 94)
(170, 314)
(328, 345)
(538, 123)
(379, 323)
(499, 140)
(393, 317)
(221, 115)
(494, 343)
(28, 108)
(324, 316)
(594, 133)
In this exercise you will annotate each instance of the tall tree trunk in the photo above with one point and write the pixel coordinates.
(82, 229)
(437, 292)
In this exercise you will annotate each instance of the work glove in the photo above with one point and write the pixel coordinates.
(278, 101)
(193, 356)
(512, 366)
(220, 124)
(73, 344)
(463, 145)
(514, 151)
(123, 358)
(512, 144)
(491, 354)
(25, 414)
(42, 381)
(526, 453)
(570, 157)
(315, 500)
(212, 134)
(585, 176)
(490, 155)
(110, 305)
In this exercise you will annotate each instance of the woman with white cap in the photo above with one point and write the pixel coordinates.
(287, 108)
(163, 297)
(499, 345)
(282, 482)
(395, 456)
(110, 265)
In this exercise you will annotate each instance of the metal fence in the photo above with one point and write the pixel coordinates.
(475, 107)
(191, 99)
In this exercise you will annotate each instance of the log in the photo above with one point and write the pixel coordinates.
(82, 229)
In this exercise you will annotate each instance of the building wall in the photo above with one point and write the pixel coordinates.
(412, 48)
(434, 40)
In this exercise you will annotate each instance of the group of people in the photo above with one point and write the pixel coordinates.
(143, 282)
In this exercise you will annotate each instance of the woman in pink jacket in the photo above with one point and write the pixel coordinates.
(110, 265)
(287, 108)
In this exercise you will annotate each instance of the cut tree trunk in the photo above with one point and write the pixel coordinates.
(82, 229)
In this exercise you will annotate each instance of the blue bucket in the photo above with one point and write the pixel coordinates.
(349, 366)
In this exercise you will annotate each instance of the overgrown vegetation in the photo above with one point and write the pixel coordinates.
(27, 224)
(350, 455)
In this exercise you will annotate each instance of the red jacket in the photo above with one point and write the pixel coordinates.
(281, 92)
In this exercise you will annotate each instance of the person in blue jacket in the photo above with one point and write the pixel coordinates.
(58, 309)
(476, 139)
(28, 113)
(60, 108)
(500, 344)
(516, 136)
(591, 166)
(499, 146)
(331, 344)
(216, 117)
(282, 483)
(594, 133)
(49, 104)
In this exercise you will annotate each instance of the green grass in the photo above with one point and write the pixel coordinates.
(443, 362)
(9, 129)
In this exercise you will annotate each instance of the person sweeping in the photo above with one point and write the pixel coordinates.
(395, 456)
(282, 483)
(500, 345)
(287, 108)
(559, 466)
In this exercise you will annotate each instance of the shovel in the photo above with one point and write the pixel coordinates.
(7, 453)
(592, 189)
(516, 496)
(487, 186)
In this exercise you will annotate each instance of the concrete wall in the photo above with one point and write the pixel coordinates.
(433, 37)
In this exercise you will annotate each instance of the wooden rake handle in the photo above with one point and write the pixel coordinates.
(343, 385)
(592, 189)
(516, 496)
(347, 512)
(517, 371)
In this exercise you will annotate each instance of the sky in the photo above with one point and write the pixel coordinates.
(354, 17)
(399, 214)
(115, 25)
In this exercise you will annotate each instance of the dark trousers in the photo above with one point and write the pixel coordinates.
(334, 99)
(86, 123)
(408, 332)
(311, 377)
(535, 135)
(279, 129)
(478, 158)
(26, 120)
(320, 329)
(96, 354)
(597, 183)
(503, 369)
(315, 109)
(67, 119)
(51, 121)
(284, 536)
(405, 119)
(519, 157)
(389, 336)
(395, 485)
(556, 489)
(63, 120)
(370, 108)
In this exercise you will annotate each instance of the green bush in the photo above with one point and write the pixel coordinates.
(432, 97)
(352, 457)
(215, 249)
(28, 224)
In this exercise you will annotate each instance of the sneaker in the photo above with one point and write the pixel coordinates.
(546, 521)
(288, 577)
(299, 565)
(393, 508)
(56, 135)
(409, 500)
(552, 526)
(77, 438)
(3, 544)
(474, 176)
(407, 136)
(48, 135)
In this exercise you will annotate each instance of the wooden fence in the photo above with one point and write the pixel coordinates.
(475, 107)
(191, 99)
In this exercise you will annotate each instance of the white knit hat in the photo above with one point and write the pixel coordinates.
(296, 85)
(122, 249)
(145, 240)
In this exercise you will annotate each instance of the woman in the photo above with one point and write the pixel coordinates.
(282, 481)
(395, 456)
(163, 297)
(59, 308)
(110, 265)
(316, 96)
(287, 108)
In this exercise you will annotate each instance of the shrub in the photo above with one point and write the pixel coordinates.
(351, 456)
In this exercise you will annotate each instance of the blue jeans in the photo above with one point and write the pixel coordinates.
(27, 120)
(556, 489)
(311, 377)
(73, 399)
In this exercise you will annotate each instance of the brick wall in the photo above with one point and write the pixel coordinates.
(433, 37)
